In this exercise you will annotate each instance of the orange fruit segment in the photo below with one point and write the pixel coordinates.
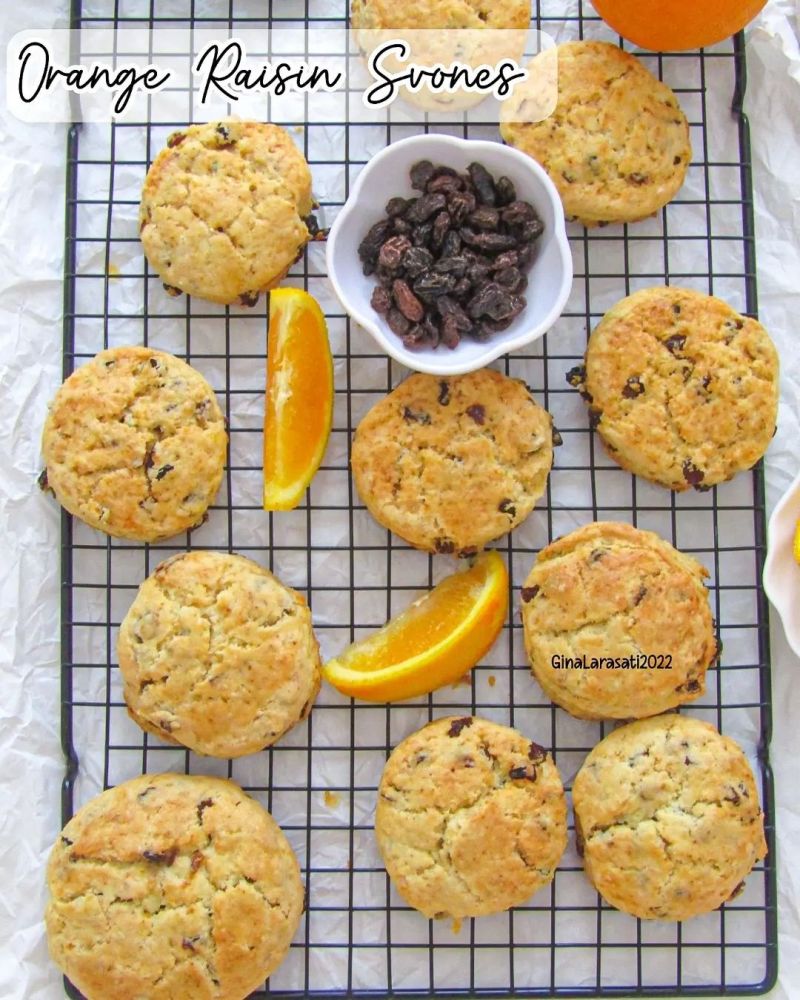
(796, 546)
(299, 398)
(677, 25)
(434, 642)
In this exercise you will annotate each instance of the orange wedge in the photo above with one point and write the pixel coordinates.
(433, 642)
(796, 546)
(299, 400)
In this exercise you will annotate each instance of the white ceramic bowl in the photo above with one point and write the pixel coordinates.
(386, 175)
(781, 572)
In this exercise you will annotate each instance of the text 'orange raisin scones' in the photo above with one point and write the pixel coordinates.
(223, 210)
(134, 444)
(682, 389)
(172, 887)
(617, 145)
(667, 818)
(471, 818)
(617, 623)
(218, 655)
(449, 464)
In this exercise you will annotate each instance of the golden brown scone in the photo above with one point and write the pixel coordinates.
(450, 463)
(223, 209)
(667, 818)
(425, 14)
(617, 146)
(172, 887)
(471, 818)
(682, 389)
(217, 655)
(134, 444)
(610, 592)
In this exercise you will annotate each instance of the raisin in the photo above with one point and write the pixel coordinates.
(416, 338)
(451, 337)
(462, 288)
(638, 179)
(441, 227)
(415, 416)
(580, 843)
(161, 857)
(505, 192)
(392, 252)
(518, 212)
(451, 245)
(522, 774)
(460, 205)
(370, 246)
(444, 184)
(557, 439)
(172, 290)
(426, 206)
(640, 595)
(430, 285)
(485, 218)
(407, 302)
(477, 412)
(536, 753)
(692, 475)
(457, 266)
(381, 300)
(201, 808)
(510, 258)
(416, 260)
(530, 231)
(510, 278)
(633, 388)
(490, 242)
(444, 393)
(444, 545)
(495, 302)
(401, 227)
(164, 470)
(189, 943)
(42, 482)
(397, 206)
(420, 174)
(421, 235)
(483, 183)
(507, 507)
(249, 298)
(675, 343)
(449, 307)
(175, 139)
(595, 416)
(458, 724)
(397, 322)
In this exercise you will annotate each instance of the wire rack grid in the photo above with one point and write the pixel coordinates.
(356, 936)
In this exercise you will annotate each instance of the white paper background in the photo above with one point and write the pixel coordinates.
(32, 177)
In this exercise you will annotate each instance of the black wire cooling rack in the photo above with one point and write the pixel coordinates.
(357, 937)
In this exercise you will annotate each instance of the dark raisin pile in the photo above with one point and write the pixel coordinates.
(453, 261)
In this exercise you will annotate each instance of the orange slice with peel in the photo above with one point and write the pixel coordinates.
(299, 399)
(796, 546)
(434, 642)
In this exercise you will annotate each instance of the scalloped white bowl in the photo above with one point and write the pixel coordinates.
(386, 175)
(781, 573)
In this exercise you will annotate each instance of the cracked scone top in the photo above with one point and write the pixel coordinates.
(681, 388)
(471, 818)
(450, 463)
(611, 590)
(667, 818)
(223, 209)
(218, 655)
(617, 145)
(172, 887)
(134, 444)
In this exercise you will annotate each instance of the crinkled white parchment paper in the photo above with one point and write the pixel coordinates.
(31, 242)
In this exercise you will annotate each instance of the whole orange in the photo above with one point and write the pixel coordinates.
(674, 25)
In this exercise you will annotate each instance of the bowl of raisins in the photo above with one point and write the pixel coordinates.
(451, 252)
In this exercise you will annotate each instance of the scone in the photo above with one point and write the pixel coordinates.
(223, 209)
(449, 464)
(667, 818)
(218, 655)
(172, 887)
(617, 623)
(681, 388)
(617, 145)
(471, 818)
(429, 14)
(134, 444)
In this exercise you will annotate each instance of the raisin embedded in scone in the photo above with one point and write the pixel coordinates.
(451, 463)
